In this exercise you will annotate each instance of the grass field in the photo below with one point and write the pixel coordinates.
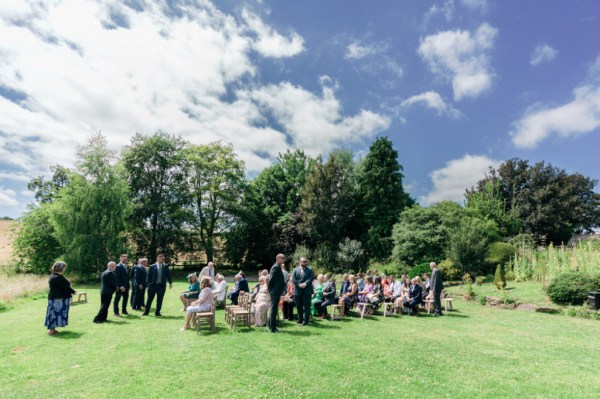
(474, 352)
(5, 241)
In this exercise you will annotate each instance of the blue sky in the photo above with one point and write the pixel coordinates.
(457, 85)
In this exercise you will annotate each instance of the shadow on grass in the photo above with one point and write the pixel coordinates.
(182, 317)
(69, 334)
(455, 314)
(132, 317)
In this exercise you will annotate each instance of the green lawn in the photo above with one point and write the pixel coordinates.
(474, 352)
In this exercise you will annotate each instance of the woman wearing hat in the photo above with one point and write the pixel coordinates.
(59, 298)
(192, 292)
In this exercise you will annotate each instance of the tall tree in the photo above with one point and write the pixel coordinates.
(270, 216)
(89, 213)
(329, 206)
(382, 196)
(155, 170)
(216, 184)
(551, 203)
(489, 204)
(46, 190)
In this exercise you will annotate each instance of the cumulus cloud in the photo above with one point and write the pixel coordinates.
(542, 53)
(433, 100)
(579, 116)
(75, 67)
(451, 181)
(8, 197)
(462, 58)
(355, 50)
(270, 43)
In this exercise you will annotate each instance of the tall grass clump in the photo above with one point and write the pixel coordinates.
(19, 285)
(546, 263)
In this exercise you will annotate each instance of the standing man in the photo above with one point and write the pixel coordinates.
(208, 271)
(276, 286)
(302, 277)
(122, 277)
(108, 288)
(139, 281)
(437, 285)
(158, 275)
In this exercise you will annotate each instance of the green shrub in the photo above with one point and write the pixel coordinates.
(572, 287)
(450, 271)
(499, 279)
(479, 280)
(499, 253)
(419, 269)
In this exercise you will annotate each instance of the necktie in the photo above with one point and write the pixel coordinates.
(159, 274)
(301, 273)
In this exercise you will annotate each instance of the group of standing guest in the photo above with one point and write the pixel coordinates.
(117, 280)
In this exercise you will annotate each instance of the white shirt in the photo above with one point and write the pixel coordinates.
(396, 288)
(220, 290)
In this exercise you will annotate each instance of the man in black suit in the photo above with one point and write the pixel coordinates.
(138, 282)
(415, 296)
(276, 286)
(158, 275)
(122, 276)
(107, 289)
(436, 285)
(302, 277)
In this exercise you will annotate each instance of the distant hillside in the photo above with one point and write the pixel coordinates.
(5, 242)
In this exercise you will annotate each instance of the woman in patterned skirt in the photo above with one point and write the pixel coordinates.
(59, 298)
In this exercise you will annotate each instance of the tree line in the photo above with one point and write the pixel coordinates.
(194, 203)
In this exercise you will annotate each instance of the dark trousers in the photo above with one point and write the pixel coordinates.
(273, 314)
(118, 296)
(233, 296)
(159, 291)
(137, 297)
(288, 310)
(303, 304)
(412, 304)
(437, 302)
(104, 306)
(323, 309)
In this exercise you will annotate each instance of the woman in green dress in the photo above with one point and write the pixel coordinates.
(318, 294)
(193, 291)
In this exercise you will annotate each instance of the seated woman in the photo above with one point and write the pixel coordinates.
(261, 303)
(350, 297)
(203, 304)
(426, 285)
(405, 283)
(360, 281)
(362, 294)
(193, 290)
(375, 297)
(287, 302)
(317, 298)
(415, 296)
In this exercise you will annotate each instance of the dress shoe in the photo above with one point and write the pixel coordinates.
(117, 315)
(157, 314)
(98, 321)
(304, 324)
(300, 322)
(125, 313)
(145, 314)
(276, 331)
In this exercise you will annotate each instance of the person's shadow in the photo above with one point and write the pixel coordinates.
(69, 334)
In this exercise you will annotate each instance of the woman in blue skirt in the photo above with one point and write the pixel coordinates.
(59, 298)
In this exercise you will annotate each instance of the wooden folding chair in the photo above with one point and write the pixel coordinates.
(242, 314)
(206, 317)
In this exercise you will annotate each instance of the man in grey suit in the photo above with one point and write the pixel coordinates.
(276, 286)
(437, 285)
(302, 278)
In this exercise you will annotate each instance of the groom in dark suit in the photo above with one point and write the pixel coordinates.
(158, 275)
(302, 278)
(139, 282)
(122, 277)
(437, 285)
(276, 287)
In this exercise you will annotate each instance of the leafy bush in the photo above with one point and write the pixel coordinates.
(419, 269)
(572, 287)
(499, 279)
(479, 280)
(450, 271)
(499, 253)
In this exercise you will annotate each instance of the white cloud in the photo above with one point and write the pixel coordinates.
(542, 53)
(446, 10)
(8, 197)
(451, 181)
(579, 116)
(463, 58)
(315, 122)
(355, 50)
(79, 66)
(433, 100)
